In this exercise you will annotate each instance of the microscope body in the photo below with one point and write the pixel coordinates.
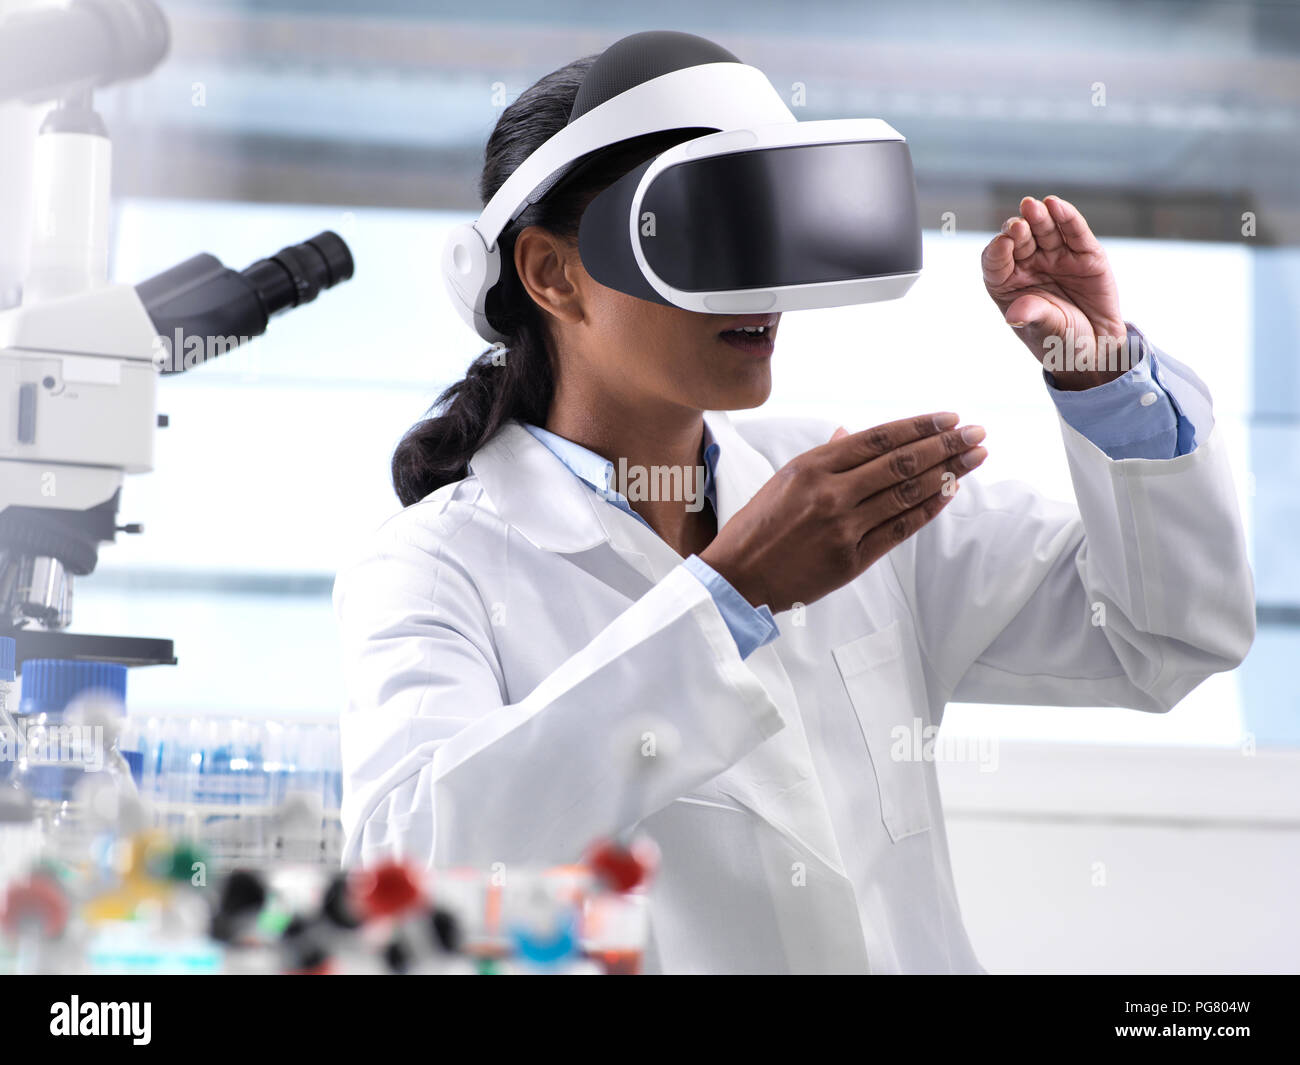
(78, 397)
(78, 411)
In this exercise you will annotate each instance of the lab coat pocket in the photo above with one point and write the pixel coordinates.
(874, 671)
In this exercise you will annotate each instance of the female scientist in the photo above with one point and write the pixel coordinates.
(539, 653)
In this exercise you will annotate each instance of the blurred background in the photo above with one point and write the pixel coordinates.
(1096, 839)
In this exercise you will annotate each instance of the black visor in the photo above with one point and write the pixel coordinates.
(761, 219)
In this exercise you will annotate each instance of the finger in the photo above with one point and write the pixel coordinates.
(856, 448)
(998, 260)
(910, 461)
(1029, 312)
(1072, 226)
(877, 542)
(1022, 238)
(909, 493)
(918, 466)
(839, 433)
(1035, 319)
(1041, 224)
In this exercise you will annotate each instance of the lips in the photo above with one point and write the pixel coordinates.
(753, 334)
(766, 322)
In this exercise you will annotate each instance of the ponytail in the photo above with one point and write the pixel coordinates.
(498, 386)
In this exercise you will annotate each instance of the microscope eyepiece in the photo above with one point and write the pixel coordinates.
(297, 274)
(202, 309)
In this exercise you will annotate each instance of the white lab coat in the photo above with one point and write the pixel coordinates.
(528, 668)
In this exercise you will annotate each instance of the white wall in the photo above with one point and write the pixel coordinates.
(1092, 859)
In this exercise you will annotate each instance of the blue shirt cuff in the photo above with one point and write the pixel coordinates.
(1133, 416)
(751, 627)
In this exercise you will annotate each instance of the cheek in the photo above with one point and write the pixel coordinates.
(653, 323)
(656, 335)
(623, 323)
(672, 352)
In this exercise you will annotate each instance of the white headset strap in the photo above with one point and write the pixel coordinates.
(711, 95)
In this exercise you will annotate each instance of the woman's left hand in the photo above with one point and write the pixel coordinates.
(1050, 279)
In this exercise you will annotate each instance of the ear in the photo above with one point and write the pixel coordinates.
(545, 265)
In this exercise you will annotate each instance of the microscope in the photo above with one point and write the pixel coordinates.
(80, 358)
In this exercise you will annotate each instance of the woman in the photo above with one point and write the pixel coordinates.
(535, 661)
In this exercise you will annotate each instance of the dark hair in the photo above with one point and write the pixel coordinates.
(436, 450)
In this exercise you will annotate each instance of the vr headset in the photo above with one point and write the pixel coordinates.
(767, 214)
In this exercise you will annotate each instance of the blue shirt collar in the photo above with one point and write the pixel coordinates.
(598, 472)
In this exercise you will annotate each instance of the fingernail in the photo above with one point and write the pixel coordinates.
(841, 431)
(973, 434)
(974, 457)
(945, 421)
(1017, 325)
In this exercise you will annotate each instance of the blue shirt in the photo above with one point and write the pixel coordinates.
(1151, 411)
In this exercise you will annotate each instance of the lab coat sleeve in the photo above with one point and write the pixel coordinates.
(1131, 598)
(440, 770)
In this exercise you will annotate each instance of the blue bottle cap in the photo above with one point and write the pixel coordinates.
(135, 762)
(50, 684)
(8, 653)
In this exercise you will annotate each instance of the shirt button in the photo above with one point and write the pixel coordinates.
(1148, 398)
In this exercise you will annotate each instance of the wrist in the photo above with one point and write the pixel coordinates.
(735, 576)
(1081, 380)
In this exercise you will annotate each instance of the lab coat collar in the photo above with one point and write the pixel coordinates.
(533, 491)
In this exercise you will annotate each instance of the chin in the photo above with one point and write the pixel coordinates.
(745, 395)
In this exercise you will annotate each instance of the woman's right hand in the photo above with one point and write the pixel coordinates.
(828, 514)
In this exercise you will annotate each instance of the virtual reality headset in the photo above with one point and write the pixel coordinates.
(768, 214)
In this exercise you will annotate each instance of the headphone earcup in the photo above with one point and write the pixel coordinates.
(470, 272)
